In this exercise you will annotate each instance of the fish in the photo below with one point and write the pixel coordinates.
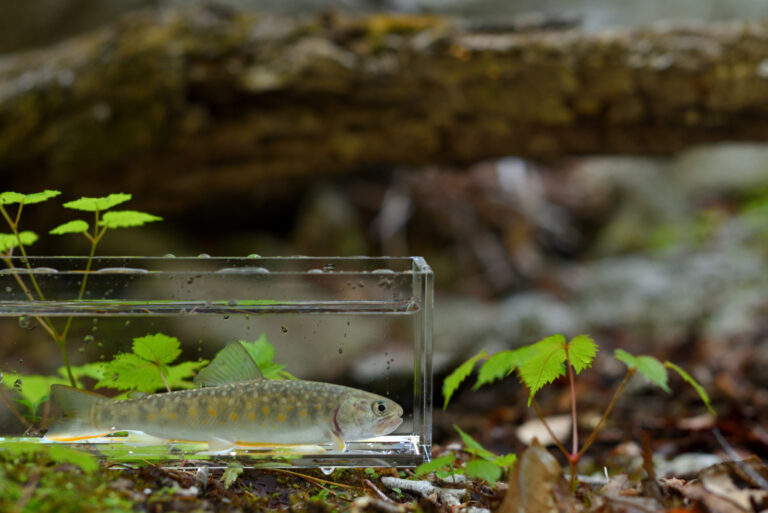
(234, 406)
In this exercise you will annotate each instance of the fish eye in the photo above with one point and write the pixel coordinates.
(379, 408)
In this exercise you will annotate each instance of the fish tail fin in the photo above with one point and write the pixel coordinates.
(75, 421)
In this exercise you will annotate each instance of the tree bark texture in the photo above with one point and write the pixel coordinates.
(199, 101)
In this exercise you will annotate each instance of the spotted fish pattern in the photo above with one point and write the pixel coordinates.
(232, 410)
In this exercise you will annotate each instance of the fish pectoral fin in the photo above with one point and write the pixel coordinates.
(338, 442)
(219, 444)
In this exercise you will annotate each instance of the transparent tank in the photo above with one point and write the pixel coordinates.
(360, 322)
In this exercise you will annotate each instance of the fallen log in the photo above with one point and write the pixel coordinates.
(190, 103)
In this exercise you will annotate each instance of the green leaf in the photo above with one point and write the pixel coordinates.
(649, 367)
(9, 240)
(498, 366)
(32, 389)
(455, 378)
(127, 219)
(482, 469)
(61, 454)
(94, 204)
(180, 376)
(544, 364)
(158, 348)
(76, 226)
(695, 384)
(128, 371)
(57, 453)
(506, 461)
(39, 197)
(263, 353)
(230, 475)
(474, 447)
(9, 197)
(581, 351)
(434, 465)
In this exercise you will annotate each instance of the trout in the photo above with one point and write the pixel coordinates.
(235, 406)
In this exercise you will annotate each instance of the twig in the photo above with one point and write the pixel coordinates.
(312, 479)
(735, 457)
(449, 496)
(616, 395)
(373, 487)
(551, 434)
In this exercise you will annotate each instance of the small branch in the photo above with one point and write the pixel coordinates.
(616, 395)
(574, 423)
(378, 492)
(162, 377)
(449, 496)
(549, 430)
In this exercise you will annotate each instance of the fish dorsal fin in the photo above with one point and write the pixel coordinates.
(233, 363)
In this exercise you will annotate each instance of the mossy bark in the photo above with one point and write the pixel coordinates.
(211, 100)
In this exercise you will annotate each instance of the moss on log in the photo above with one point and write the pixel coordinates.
(215, 100)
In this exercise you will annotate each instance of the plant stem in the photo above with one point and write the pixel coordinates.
(13, 409)
(616, 395)
(574, 457)
(549, 430)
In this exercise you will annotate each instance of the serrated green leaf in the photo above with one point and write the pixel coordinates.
(434, 465)
(129, 371)
(9, 240)
(9, 197)
(543, 364)
(157, 348)
(498, 366)
(472, 446)
(263, 353)
(647, 366)
(455, 378)
(234, 469)
(88, 204)
(76, 226)
(482, 469)
(581, 351)
(695, 384)
(127, 219)
(39, 197)
(506, 461)
(180, 376)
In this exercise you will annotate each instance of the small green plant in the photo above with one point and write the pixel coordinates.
(545, 361)
(104, 219)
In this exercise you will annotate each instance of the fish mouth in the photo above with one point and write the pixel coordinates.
(388, 424)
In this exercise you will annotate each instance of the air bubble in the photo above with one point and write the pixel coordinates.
(203, 255)
(27, 322)
(88, 339)
(169, 255)
(226, 317)
(127, 323)
(327, 470)
(284, 329)
(8, 289)
(17, 384)
(329, 268)
(231, 302)
(341, 350)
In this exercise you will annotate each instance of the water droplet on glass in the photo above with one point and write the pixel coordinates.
(81, 350)
(8, 289)
(226, 317)
(127, 323)
(169, 255)
(27, 322)
(95, 321)
(327, 470)
(95, 329)
(17, 384)
(88, 339)
(341, 350)
(284, 329)
(329, 268)
(190, 281)
(203, 255)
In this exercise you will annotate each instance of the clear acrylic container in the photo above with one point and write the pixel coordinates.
(362, 322)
